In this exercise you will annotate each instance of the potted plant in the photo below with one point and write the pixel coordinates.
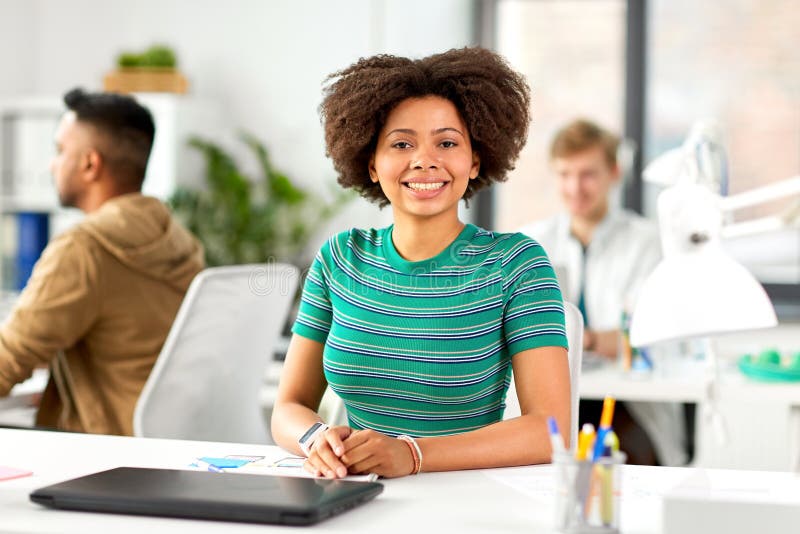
(154, 70)
(241, 219)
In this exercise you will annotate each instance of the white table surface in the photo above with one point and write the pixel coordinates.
(494, 500)
(762, 419)
(684, 382)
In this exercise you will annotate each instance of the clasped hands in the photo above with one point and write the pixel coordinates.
(342, 451)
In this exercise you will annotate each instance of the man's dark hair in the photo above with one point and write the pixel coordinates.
(492, 99)
(125, 129)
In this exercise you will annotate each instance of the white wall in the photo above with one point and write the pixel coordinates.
(262, 61)
(17, 47)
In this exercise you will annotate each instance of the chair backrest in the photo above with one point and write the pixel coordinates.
(333, 410)
(574, 326)
(206, 382)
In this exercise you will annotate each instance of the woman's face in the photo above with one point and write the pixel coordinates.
(424, 159)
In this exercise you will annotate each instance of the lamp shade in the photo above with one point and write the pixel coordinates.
(698, 293)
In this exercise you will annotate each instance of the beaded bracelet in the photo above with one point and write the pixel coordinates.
(416, 452)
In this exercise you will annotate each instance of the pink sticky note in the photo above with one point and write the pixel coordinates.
(7, 473)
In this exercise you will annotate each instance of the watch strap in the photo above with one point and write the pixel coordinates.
(310, 436)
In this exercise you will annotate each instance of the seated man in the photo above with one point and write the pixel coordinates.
(103, 295)
(606, 254)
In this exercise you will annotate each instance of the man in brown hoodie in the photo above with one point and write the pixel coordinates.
(101, 299)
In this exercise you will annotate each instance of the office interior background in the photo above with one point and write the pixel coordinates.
(648, 69)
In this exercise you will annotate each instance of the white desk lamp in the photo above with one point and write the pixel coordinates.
(698, 290)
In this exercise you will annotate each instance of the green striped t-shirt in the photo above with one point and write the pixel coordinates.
(424, 348)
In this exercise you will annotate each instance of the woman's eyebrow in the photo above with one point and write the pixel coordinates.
(447, 129)
(435, 131)
(408, 131)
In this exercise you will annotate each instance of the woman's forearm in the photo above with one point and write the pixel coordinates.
(520, 441)
(289, 422)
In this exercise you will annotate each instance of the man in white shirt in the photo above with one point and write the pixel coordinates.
(603, 255)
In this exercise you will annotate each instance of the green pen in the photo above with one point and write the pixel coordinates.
(611, 441)
(610, 450)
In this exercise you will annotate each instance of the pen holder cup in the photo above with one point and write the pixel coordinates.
(587, 494)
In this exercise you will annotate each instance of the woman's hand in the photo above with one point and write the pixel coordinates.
(324, 458)
(367, 451)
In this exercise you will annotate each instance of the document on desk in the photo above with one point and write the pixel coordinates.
(636, 483)
(520, 480)
(291, 466)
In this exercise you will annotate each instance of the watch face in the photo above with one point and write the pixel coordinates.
(310, 432)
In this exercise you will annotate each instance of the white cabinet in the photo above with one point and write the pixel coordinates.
(172, 162)
(27, 127)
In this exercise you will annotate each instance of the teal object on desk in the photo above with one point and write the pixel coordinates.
(767, 367)
(769, 357)
(224, 463)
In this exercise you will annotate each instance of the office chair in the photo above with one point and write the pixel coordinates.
(332, 408)
(206, 381)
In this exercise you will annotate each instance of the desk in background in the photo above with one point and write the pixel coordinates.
(19, 408)
(762, 419)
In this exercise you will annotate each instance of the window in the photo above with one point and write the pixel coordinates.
(738, 63)
(573, 54)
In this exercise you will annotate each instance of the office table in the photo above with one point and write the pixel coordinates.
(19, 407)
(516, 499)
(762, 419)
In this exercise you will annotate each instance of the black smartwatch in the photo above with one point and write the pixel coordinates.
(307, 440)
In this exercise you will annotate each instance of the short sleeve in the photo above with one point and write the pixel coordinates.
(315, 313)
(533, 313)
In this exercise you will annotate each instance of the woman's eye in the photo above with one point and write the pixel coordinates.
(401, 144)
(448, 144)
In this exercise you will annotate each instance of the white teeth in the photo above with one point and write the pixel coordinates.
(425, 186)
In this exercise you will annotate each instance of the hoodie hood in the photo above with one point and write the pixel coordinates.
(142, 234)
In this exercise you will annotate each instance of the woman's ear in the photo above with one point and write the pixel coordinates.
(373, 174)
(476, 166)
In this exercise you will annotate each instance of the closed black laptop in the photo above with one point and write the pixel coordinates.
(206, 495)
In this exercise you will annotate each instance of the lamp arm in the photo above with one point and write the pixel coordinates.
(774, 191)
(762, 225)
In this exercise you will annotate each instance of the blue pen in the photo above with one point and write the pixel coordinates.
(605, 425)
(643, 352)
(555, 436)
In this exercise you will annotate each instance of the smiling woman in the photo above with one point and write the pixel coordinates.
(423, 163)
(419, 326)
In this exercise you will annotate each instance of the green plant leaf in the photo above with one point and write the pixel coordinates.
(242, 219)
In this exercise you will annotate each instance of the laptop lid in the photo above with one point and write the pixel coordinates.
(206, 495)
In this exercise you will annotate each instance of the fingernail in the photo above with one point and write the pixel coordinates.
(342, 472)
(330, 474)
(338, 451)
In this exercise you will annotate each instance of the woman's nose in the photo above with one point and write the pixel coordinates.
(423, 160)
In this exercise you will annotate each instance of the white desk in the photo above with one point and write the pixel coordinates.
(19, 408)
(762, 419)
(492, 500)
